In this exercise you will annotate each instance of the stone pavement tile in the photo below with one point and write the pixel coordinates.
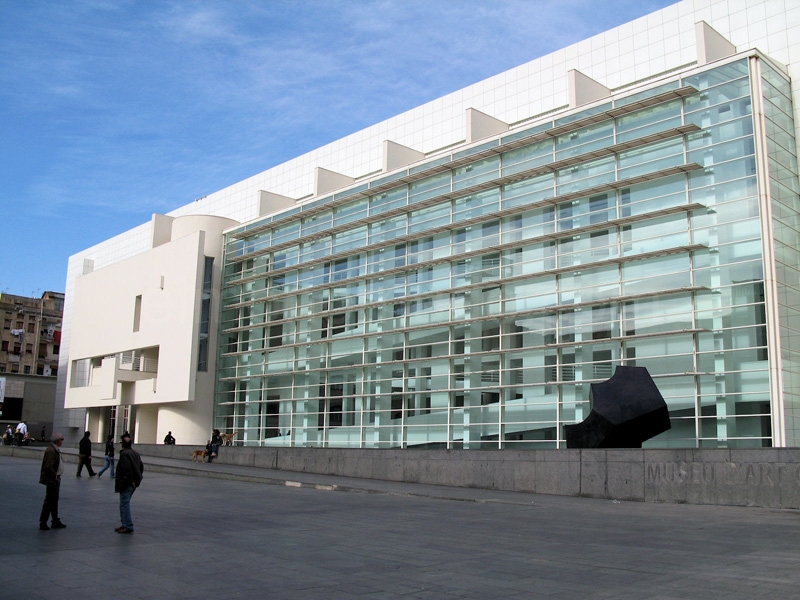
(197, 536)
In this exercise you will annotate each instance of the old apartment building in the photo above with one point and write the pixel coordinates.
(29, 355)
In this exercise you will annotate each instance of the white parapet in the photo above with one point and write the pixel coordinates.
(583, 89)
(327, 181)
(480, 125)
(711, 45)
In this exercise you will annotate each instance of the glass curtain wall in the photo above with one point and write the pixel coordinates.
(473, 304)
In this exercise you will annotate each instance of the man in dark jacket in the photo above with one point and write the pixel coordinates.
(50, 476)
(130, 470)
(85, 454)
(216, 442)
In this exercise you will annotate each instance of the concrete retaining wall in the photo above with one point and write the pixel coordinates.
(768, 477)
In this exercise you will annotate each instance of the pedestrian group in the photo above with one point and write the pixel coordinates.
(128, 477)
(19, 436)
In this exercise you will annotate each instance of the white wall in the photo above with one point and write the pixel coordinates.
(168, 279)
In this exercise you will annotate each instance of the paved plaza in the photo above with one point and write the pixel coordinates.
(200, 537)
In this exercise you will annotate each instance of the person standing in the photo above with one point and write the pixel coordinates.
(50, 476)
(130, 471)
(109, 457)
(85, 454)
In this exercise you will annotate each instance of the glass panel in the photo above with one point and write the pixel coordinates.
(654, 234)
(285, 258)
(656, 274)
(475, 237)
(528, 191)
(582, 212)
(428, 218)
(387, 257)
(530, 224)
(647, 93)
(719, 75)
(352, 211)
(287, 232)
(349, 239)
(317, 222)
(653, 195)
(586, 175)
(527, 157)
(657, 315)
(429, 248)
(472, 174)
(384, 230)
(429, 187)
(529, 295)
(589, 285)
(529, 260)
(652, 157)
(318, 248)
(394, 198)
(476, 205)
(589, 138)
(720, 113)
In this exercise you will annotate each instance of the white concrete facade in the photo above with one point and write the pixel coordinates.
(617, 59)
(132, 346)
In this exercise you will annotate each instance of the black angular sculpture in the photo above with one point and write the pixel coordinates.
(627, 409)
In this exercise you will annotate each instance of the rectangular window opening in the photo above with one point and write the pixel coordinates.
(137, 313)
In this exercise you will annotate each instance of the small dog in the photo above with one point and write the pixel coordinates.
(199, 455)
(227, 438)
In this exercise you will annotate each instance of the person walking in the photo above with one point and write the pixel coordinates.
(130, 471)
(109, 457)
(50, 476)
(85, 454)
(22, 430)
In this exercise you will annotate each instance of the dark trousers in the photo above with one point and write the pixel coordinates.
(85, 460)
(50, 505)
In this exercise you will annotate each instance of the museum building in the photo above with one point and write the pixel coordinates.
(462, 286)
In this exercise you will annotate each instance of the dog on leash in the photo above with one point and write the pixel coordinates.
(199, 455)
(227, 438)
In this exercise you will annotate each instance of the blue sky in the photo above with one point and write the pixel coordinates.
(111, 110)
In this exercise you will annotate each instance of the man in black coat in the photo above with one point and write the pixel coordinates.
(50, 476)
(130, 471)
(85, 454)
